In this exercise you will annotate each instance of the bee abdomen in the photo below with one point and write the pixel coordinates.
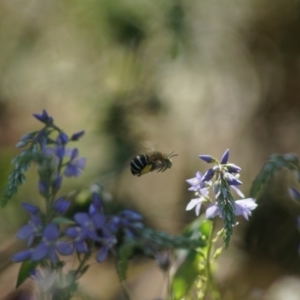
(138, 164)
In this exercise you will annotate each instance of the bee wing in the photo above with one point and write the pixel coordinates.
(148, 146)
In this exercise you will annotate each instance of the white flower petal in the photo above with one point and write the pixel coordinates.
(212, 211)
(198, 208)
(249, 203)
(238, 191)
(192, 204)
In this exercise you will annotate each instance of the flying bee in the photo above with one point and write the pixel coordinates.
(149, 162)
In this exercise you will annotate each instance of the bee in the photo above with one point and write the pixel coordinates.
(149, 162)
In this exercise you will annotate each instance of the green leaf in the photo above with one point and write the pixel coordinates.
(186, 275)
(17, 177)
(125, 252)
(25, 271)
(275, 164)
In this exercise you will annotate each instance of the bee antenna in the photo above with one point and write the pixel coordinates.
(172, 155)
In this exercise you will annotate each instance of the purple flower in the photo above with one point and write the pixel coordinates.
(196, 203)
(207, 158)
(131, 215)
(89, 224)
(43, 187)
(107, 244)
(57, 150)
(30, 230)
(34, 227)
(62, 138)
(75, 165)
(56, 184)
(44, 117)
(241, 207)
(22, 255)
(238, 191)
(233, 169)
(79, 235)
(32, 209)
(224, 158)
(231, 180)
(61, 205)
(208, 175)
(76, 136)
(96, 205)
(195, 182)
(50, 245)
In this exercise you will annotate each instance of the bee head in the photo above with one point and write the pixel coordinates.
(169, 163)
(169, 160)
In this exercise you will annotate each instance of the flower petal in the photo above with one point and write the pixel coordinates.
(39, 252)
(64, 248)
(51, 232)
(81, 218)
(30, 208)
(81, 247)
(198, 207)
(52, 255)
(207, 158)
(192, 204)
(224, 158)
(21, 256)
(25, 231)
(102, 254)
(238, 191)
(212, 211)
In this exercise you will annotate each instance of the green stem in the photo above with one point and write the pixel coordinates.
(209, 277)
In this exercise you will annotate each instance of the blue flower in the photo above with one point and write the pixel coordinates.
(89, 225)
(241, 207)
(207, 158)
(96, 205)
(44, 117)
(208, 175)
(42, 139)
(76, 136)
(225, 157)
(79, 237)
(61, 205)
(43, 187)
(107, 244)
(34, 227)
(232, 168)
(50, 245)
(231, 179)
(62, 138)
(222, 167)
(131, 215)
(197, 202)
(196, 183)
(75, 165)
(22, 256)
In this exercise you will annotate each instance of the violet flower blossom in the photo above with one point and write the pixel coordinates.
(241, 207)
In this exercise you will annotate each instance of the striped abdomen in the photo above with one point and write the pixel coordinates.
(138, 164)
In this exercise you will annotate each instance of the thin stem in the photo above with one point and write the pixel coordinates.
(81, 265)
(125, 290)
(209, 277)
(123, 283)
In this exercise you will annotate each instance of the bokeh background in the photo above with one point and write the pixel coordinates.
(196, 77)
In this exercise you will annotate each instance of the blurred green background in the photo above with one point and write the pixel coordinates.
(190, 76)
